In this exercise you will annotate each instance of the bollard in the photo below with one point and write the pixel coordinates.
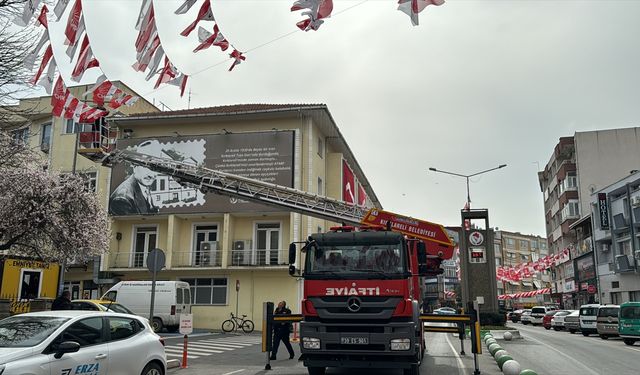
(528, 372)
(184, 353)
(508, 336)
(503, 359)
(511, 367)
(500, 353)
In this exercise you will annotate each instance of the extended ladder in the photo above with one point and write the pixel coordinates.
(209, 180)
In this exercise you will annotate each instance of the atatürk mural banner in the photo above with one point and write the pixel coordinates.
(136, 190)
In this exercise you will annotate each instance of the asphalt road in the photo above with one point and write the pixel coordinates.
(562, 353)
(220, 354)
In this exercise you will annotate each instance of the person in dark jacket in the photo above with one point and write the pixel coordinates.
(281, 331)
(63, 302)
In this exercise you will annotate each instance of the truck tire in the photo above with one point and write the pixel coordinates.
(316, 370)
(156, 325)
(629, 341)
(604, 337)
(413, 370)
(557, 328)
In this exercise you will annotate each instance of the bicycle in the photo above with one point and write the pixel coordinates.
(235, 322)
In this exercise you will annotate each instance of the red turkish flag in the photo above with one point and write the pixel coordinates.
(204, 13)
(362, 196)
(348, 184)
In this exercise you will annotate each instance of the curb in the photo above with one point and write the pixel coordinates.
(505, 362)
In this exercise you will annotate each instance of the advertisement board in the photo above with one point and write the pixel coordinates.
(136, 190)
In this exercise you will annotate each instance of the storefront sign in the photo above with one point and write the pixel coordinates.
(603, 209)
(569, 286)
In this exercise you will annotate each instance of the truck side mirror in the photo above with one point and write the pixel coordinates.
(422, 253)
(292, 253)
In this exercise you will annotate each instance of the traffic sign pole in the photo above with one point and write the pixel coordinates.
(184, 352)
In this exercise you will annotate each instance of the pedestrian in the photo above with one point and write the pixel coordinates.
(63, 302)
(281, 331)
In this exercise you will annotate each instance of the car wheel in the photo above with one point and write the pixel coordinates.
(413, 370)
(152, 368)
(156, 325)
(572, 331)
(604, 337)
(629, 341)
(556, 328)
(585, 334)
(316, 370)
(547, 328)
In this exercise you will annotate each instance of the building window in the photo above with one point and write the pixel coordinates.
(624, 247)
(498, 262)
(21, 135)
(497, 250)
(30, 283)
(45, 138)
(571, 181)
(72, 127)
(202, 255)
(208, 291)
(543, 245)
(90, 181)
(267, 243)
(634, 296)
(615, 284)
(320, 148)
(524, 245)
(319, 186)
(616, 298)
(511, 242)
(144, 241)
(571, 210)
(524, 257)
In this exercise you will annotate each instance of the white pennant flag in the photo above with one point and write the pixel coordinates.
(184, 8)
(157, 57)
(47, 80)
(144, 9)
(61, 6)
(31, 58)
(71, 49)
(30, 7)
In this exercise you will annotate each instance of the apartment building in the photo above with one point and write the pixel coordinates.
(516, 249)
(615, 216)
(579, 166)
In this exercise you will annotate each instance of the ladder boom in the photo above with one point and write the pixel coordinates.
(209, 180)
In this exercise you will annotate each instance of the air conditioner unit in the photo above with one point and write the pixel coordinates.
(208, 253)
(242, 253)
(635, 201)
(604, 247)
(622, 263)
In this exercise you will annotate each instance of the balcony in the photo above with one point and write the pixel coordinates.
(205, 259)
(258, 258)
(197, 258)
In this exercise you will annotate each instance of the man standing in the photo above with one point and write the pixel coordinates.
(63, 302)
(281, 331)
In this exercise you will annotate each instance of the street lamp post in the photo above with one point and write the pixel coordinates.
(467, 176)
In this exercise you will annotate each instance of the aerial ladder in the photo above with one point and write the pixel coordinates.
(207, 180)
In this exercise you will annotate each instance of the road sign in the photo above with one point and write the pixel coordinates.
(421, 229)
(591, 289)
(155, 260)
(476, 238)
(186, 324)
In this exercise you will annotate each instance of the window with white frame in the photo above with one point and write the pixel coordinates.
(21, 135)
(511, 242)
(90, 181)
(267, 243)
(571, 209)
(208, 291)
(524, 245)
(571, 181)
(72, 127)
(201, 255)
(144, 241)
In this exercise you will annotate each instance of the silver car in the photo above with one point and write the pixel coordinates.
(557, 322)
(79, 342)
(572, 322)
(526, 318)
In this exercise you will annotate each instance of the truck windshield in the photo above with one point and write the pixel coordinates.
(360, 261)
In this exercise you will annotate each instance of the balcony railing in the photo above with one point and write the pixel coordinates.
(205, 259)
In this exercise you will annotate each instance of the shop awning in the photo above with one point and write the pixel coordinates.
(537, 284)
(526, 283)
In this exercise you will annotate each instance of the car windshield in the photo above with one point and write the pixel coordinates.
(562, 313)
(609, 311)
(630, 312)
(116, 307)
(539, 310)
(26, 331)
(589, 311)
(361, 261)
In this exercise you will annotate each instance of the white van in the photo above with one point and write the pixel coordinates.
(588, 319)
(172, 299)
(538, 313)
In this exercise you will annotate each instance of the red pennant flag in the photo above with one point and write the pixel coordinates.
(42, 18)
(58, 98)
(237, 58)
(73, 22)
(203, 14)
(45, 61)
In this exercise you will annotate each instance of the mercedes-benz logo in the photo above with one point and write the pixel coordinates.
(354, 304)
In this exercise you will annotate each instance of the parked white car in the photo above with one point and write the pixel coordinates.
(588, 319)
(79, 342)
(525, 318)
(557, 322)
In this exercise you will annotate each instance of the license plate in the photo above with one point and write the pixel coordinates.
(354, 340)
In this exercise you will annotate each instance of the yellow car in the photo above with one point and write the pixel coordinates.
(99, 305)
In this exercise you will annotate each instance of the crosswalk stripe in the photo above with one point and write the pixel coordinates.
(216, 347)
(233, 342)
(195, 351)
(236, 346)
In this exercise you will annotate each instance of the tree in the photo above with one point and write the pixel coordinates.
(46, 214)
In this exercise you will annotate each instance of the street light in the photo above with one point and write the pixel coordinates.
(467, 176)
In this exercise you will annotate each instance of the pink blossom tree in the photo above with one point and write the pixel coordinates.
(46, 214)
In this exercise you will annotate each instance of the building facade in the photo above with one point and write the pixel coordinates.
(516, 249)
(616, 234)
(579, 166)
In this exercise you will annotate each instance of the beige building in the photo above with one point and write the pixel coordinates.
(515, 249)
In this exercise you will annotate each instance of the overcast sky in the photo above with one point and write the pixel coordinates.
(477, 84)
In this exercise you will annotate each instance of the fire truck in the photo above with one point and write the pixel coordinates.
(362, 283)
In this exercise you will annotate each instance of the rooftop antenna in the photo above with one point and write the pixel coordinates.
(189, 102)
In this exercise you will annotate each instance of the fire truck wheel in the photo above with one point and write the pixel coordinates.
(316, 370)
(414, 370)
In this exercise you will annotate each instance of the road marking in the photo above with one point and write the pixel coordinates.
(233, 372)
(194, 350)
(209, 346)
(565, 355)
(455, 352)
